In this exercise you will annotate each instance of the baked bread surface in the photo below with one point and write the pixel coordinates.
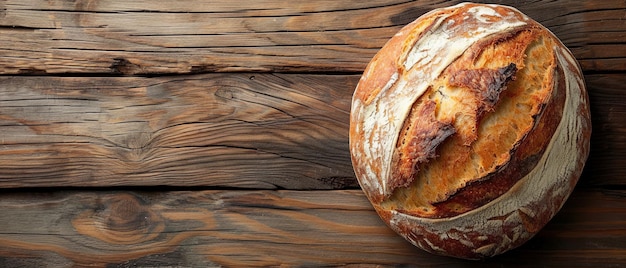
(469, 129)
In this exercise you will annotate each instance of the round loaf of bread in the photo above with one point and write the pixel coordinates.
(469, 129)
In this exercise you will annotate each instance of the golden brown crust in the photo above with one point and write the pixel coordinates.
(467, 92)
(469, 129)
(524, 157)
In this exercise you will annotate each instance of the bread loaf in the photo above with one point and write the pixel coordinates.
(469, 129)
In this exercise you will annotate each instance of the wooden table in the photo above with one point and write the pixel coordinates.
(201, 133)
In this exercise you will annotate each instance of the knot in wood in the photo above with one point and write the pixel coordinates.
(126, 213)
(120, 219)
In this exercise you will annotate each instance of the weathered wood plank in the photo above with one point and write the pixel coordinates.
(263, 228)
(235, 130)
(606, 165)
(232, 130)
(148, 37)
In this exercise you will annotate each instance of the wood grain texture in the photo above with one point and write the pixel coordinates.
(263, 228)
(147, 37)
(235, 130)
(106, 93)
(261, 131)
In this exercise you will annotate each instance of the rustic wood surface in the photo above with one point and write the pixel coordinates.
(156, 37)
(260, 131)
(268, 228)
(202, 133)
(232, 130)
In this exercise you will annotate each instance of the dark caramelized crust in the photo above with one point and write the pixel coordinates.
(486, 83)
(418, 140)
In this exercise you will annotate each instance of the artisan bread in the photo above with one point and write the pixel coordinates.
(469, 129)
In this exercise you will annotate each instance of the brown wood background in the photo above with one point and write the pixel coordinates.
(202, 133)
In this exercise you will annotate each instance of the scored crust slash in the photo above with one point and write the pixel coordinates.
(469, 129)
